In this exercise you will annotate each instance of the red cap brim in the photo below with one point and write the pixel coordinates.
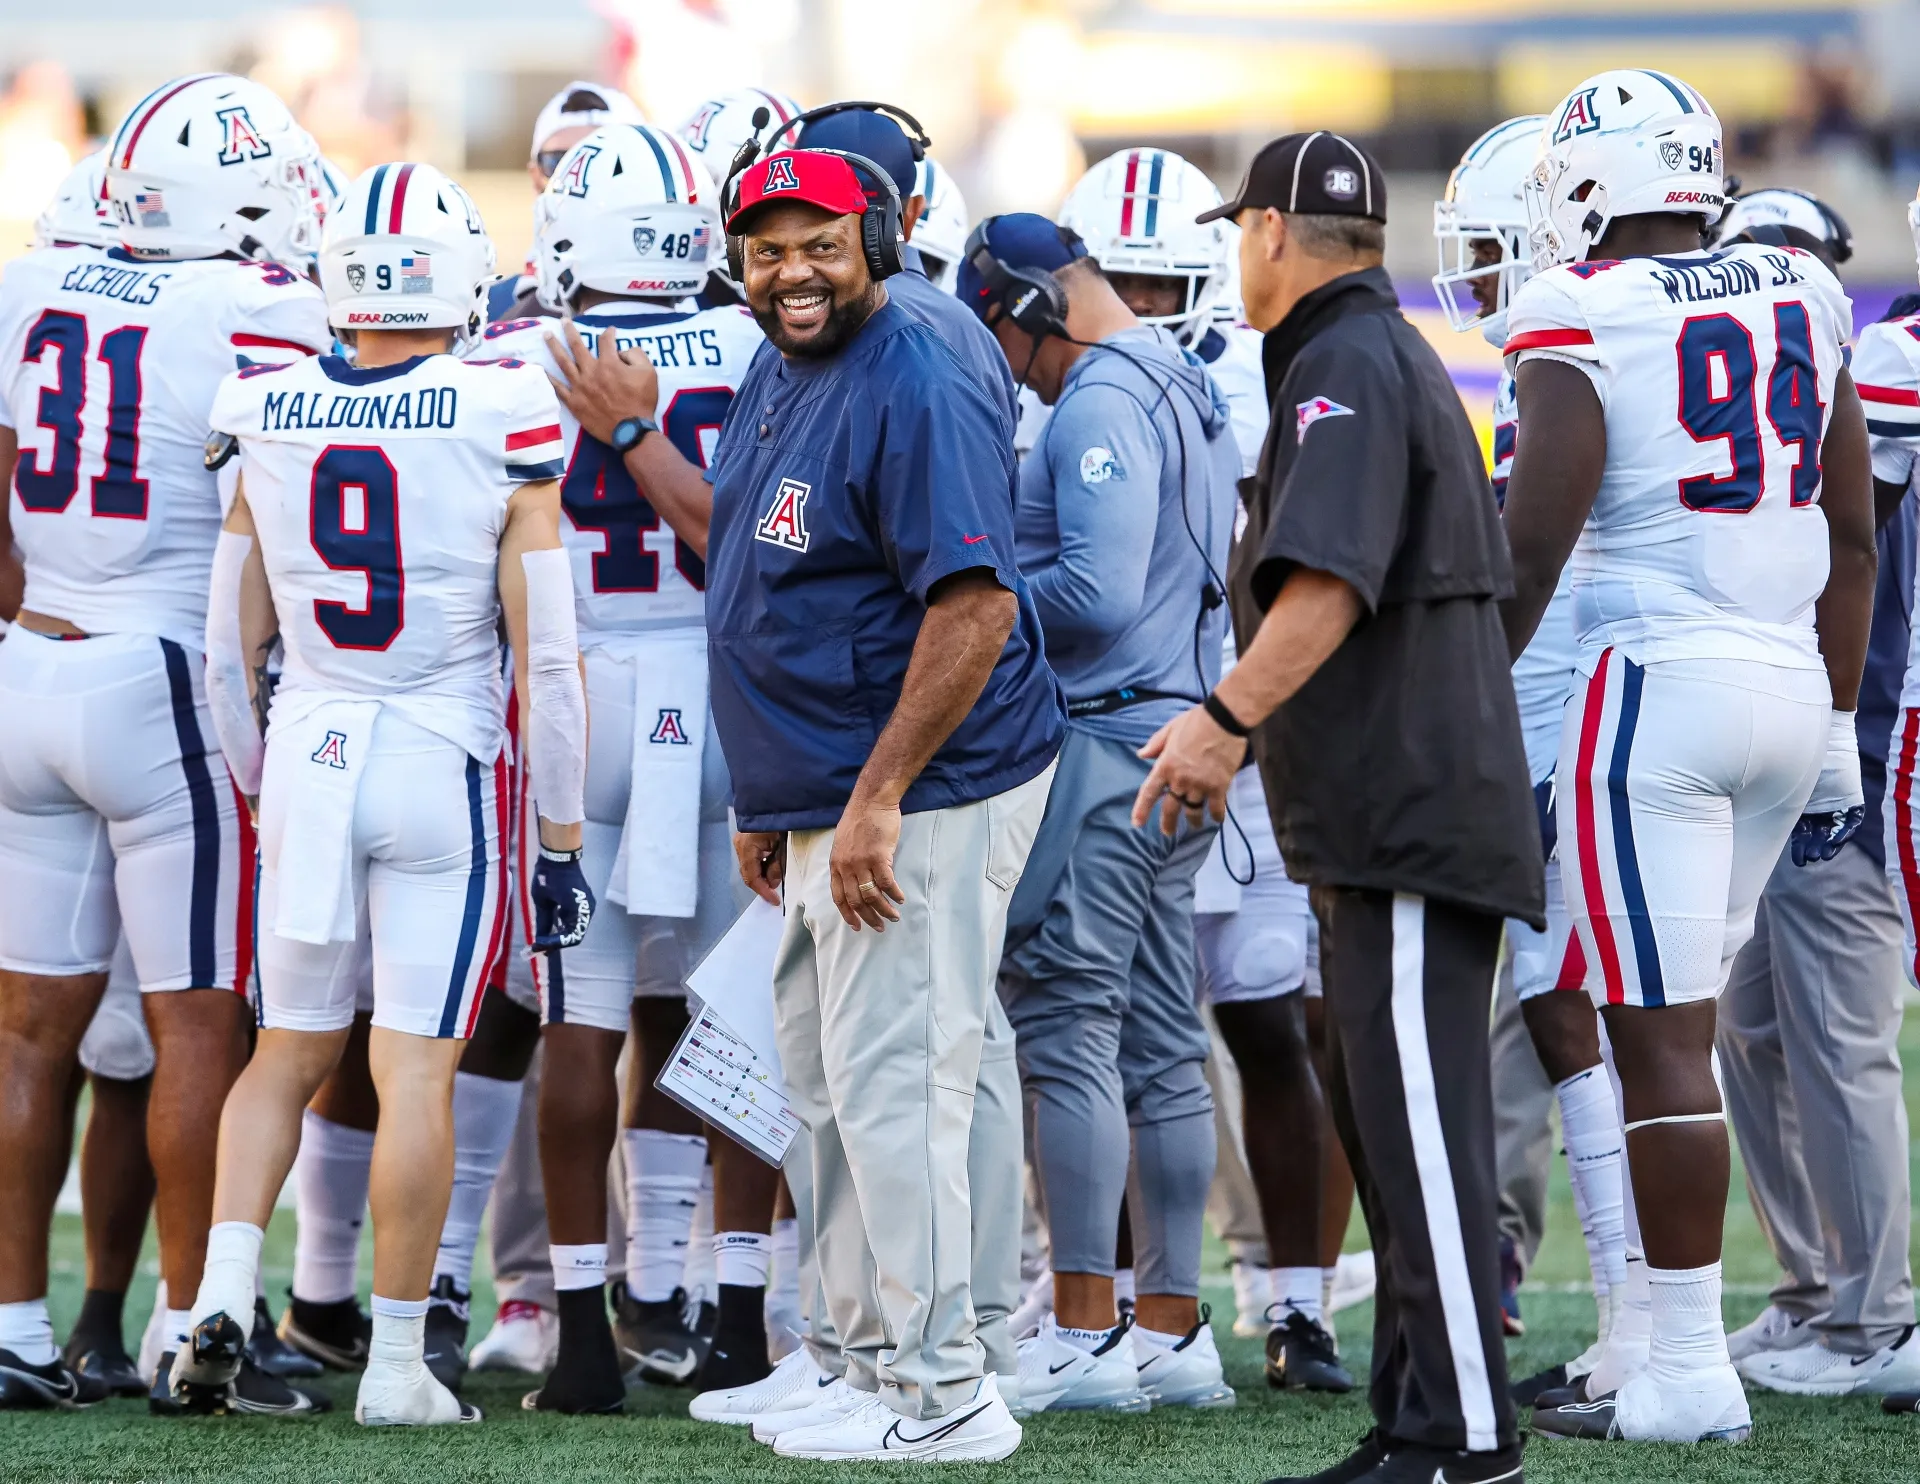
(813, 176)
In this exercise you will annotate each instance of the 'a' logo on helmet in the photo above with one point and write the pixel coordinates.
(1577, 117)
(573, 175)
(694, 130)
(239, 139)
(780, 176)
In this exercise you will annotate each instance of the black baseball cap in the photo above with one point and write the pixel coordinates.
(1317, 174)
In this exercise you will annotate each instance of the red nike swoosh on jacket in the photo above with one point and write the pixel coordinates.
(973, 540)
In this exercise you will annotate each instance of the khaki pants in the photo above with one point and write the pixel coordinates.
(881, 1037)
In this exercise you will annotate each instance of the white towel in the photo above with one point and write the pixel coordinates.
(656, 872)
(319, 771)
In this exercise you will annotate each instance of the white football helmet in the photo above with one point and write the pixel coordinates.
(630, 211)
(1483, 204)
(215, 164)
(717, 128)
(1623, 143)
(1135, 211)
(407, 250)
(1777, 206)
(77, 213)
(941, 232)
(1913, 223)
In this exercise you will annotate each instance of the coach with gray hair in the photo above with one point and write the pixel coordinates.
(1373, 683)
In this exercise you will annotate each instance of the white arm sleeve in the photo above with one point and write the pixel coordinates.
(557, 701)
(233, 717)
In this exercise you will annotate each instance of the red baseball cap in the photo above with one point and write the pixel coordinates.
(817, 177)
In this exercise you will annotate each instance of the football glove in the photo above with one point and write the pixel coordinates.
(562, 901)
(1546, 805)
(1838, 806)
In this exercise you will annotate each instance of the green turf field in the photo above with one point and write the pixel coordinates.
(1846, 1440)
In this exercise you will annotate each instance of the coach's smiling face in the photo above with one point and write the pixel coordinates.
(807, 280)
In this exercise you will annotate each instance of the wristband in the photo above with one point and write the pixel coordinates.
(1227, 721)
(559, 857)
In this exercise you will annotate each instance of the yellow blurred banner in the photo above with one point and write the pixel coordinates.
(1219, 84)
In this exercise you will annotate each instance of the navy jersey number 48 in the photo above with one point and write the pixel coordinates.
(1719, 384)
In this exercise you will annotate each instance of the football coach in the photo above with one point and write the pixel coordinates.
(891, 724)
(1373, 682)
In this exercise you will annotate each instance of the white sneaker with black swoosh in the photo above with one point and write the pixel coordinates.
(827, 1403)
(796, 1381)
(1814, 1370)
(1057, 1374)
(981, 1430)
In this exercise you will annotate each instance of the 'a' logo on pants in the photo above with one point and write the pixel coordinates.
(668, 727)
(785, 523)
(333, 751)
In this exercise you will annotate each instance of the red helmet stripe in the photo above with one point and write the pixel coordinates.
(399, 198)
(686, 168)
(139, 127)
(780, 110)
(1126, 193)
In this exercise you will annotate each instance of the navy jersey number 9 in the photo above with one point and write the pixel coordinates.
(371, 546)
(1793, 406)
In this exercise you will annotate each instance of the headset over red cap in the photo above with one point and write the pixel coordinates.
(813, 176)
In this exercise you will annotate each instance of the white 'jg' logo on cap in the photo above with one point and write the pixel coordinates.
(1342, 183)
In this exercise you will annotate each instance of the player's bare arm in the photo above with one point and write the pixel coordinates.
(13, 576)
(969, 616)
(241, 632)
(1843, 614)
(1557, 465)
(533, 525)
(602, 386)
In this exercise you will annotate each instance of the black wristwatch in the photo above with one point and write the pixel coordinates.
(629, 431)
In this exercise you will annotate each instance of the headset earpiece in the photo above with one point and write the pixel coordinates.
(1034, 301)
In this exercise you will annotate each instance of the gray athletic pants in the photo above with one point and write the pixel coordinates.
(1523, 1102)
(882, 1037)
(1098, 981)
(1808, 1026)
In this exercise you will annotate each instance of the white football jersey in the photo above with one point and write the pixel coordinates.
(1886, 372)
(1232, 354)
(108, 366)
(1716, 371)
(630, 572)
(379, 495)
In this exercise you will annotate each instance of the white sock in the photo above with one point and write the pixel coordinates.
(1084, 1339)
(1327, 1275)
(227, 1280)
(740, 1259)
(1302, 1290)
(1596, 1163)
(663, 1187)
(399, 1333)
(1123, 1287)
(27, 1332)
(176, 1325)
(330, 1195)
(1689, 1335)
(584, 1266)
(485, 1112)
(698, 1277)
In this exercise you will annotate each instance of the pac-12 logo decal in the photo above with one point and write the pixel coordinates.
(332, 752)
(573, 175)
(785, 523)
(1577, 117)
(780, 176)
(668, 728)
(239, 139)
(356, 276)
(1310, 412)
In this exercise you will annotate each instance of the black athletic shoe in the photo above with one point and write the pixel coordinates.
(1591, 1421)
(448, 1309)
(1301, 1357)
(336, 1335)
(1364, 1459)
(215, 1348)
(586, 1376)
(274, 1355)
(1527, 1392)
(1897, 1402)
(28, 1387)
(160, 1398)
(103, 1366)
(251, 1393)
(1511, 1324)
(1415, 1463)
(656, 1341)
(1572, 1394)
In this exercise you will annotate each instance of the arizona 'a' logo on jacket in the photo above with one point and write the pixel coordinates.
(785, 523)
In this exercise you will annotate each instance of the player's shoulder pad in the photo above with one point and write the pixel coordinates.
(1554, 311)
(270, 312)
(237, 401)
(1886, 374)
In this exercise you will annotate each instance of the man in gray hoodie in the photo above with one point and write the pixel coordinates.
(1124, 514)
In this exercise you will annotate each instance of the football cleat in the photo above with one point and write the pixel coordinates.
(337, 1335)
(28, 1387)
(446, 1336)
(215, 1348)
(657, 1342)
(251, 1393)
(1301, 1356)
(274, 1355)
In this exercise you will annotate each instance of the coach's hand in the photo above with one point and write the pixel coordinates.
(762, 856)
(604, 385)
(861, 866)
(1194, 762)
(562, 901)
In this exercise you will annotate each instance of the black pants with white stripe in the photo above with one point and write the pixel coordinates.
(1408, 983)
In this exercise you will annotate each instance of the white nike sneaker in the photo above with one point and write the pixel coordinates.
(1252, 1297)
(1035, 1304)
(1772, 1329)
(981, 1431)
(1353, 1281)
(1058, 1375)
(524, 1337)
(1699, 1407)
(1814, 1370)
(407, 1396)
(795, 1382)
(1186, 1373)
(834, 1400)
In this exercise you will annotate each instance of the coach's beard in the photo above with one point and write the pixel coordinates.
(843, 320)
